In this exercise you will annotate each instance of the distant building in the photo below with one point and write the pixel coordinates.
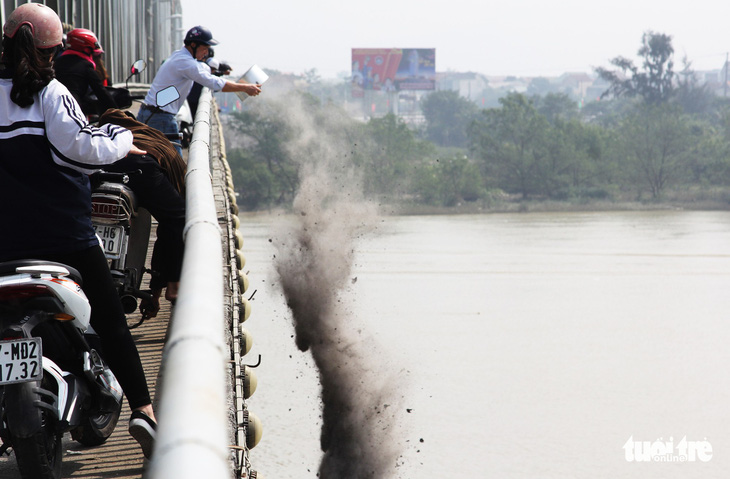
(469, 85)
(576, 84)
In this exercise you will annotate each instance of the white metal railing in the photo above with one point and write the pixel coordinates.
(192, 437)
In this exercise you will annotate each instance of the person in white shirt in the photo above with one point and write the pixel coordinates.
(183, 68)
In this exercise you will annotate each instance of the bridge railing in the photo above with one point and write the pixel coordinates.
(193, 435)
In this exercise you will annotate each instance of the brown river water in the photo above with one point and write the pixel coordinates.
(522, 345)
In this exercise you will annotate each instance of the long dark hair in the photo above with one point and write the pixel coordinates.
(32, 67)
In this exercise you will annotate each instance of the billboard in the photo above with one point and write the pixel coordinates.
(393, 69)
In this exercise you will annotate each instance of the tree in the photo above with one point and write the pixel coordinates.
(511, 142)
(654, 143)
(448, 181)
(694, 97)
(394, 150)
(266, 168)
(447, 117)
(574, 151)
(556, 107)
(654, 83)
(707, 152)
(255, 184)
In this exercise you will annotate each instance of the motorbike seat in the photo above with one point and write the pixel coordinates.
(10, 267)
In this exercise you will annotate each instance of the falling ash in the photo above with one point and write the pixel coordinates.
(314, 264)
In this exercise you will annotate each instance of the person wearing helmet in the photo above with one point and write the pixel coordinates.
(183, 68)
(77, 69)
(47, 150)
(217, 69)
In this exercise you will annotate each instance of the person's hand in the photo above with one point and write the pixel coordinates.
(149, 307)
(136, 151)
(252, 89)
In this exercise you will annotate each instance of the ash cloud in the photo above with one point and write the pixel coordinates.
(314, 263)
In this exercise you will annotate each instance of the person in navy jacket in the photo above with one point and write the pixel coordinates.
(47, 150)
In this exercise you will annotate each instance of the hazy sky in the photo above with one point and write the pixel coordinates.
(508, 37)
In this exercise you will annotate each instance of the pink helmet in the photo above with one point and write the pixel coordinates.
(43, 21)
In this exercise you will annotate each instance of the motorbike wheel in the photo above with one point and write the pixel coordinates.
(34, 434)
(95, 430)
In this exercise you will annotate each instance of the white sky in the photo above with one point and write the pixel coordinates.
(508, 37)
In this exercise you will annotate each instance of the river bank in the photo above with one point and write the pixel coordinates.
(687, 200)
(513, 205)
(550, 207)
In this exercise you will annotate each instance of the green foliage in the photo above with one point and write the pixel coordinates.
(511, 141)
(255, 184)
(653, 83)
(269, 169)
(448, 182)
(556, 107)
(693, 97)
(655, 141)
(393, 150)
(447, 118)
(536, 147)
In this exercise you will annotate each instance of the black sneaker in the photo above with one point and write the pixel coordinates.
(143, 429)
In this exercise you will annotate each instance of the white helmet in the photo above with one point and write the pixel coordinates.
(212, 63)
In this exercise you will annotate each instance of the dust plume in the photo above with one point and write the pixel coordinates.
(314, 264)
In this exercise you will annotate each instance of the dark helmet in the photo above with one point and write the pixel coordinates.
(43, 22)
(200, 35)
(83, 40)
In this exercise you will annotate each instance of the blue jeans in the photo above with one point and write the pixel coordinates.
(162, 121)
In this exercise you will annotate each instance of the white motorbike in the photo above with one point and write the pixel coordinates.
(52, 380)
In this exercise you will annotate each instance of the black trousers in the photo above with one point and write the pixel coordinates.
(109, 322)
(156, 194)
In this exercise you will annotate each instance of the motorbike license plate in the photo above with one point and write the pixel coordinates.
(21, 360)
(111, 238)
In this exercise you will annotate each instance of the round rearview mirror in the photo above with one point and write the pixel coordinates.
(138, 66)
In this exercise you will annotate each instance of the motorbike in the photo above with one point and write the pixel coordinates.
(124, 228)
(52, 380)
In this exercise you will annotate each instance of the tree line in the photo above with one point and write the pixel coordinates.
(656, 134)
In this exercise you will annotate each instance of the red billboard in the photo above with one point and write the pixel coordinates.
(393, 69)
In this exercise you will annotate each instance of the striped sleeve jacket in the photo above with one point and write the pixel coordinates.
(46, 152)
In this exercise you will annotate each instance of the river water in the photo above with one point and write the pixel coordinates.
(546, 345)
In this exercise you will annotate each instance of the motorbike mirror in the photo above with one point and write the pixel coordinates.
(138, 67)
(166, 96)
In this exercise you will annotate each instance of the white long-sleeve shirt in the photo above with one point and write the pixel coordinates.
(181, 70)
